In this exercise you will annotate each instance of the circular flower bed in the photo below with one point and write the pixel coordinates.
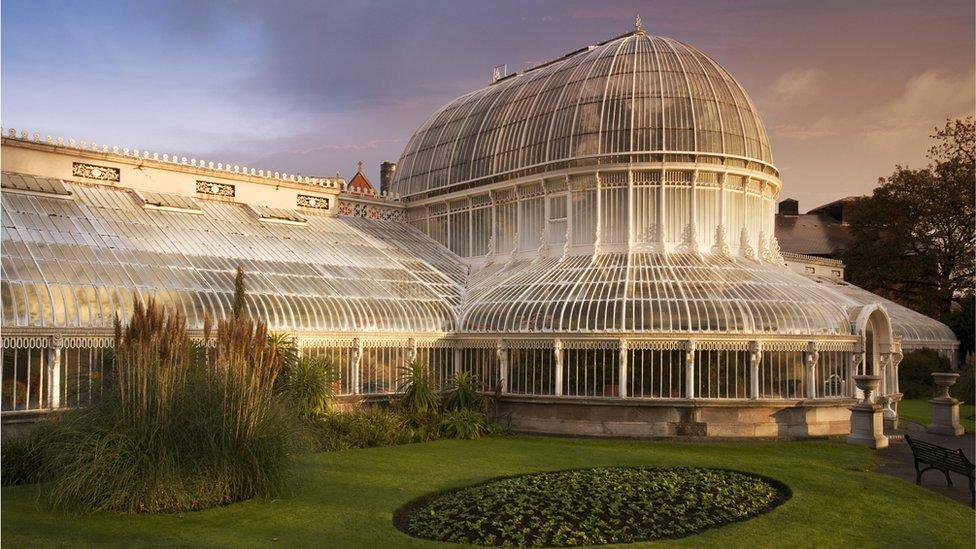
(591, 506)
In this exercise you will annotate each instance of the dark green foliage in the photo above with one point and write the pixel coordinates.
(418, 397)
(237, 308)
(462, 394)
(22, 458)
(463, 423)
(307, 386)
(365, 428)
(593, 506)
(915, 373)
(965, 387)
(19, 461)
(962, 320)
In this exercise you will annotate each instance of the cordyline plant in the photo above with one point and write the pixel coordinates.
(418, 394)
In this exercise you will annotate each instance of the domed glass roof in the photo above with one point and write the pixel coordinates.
(633, 94)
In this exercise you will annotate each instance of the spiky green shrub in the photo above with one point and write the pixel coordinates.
(181, 426)
(364, 428)
(462, 395)
(308, 386)
(463, 423)
(418, 396)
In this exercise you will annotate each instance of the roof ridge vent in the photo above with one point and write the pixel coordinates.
(36, 185)
(168, 202)
(277, 215)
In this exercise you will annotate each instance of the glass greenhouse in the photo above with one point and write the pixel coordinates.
(598, 229)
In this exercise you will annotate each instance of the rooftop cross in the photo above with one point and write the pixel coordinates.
(359, 166)
(638, 27)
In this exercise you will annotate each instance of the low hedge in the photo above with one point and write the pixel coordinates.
(591, 506)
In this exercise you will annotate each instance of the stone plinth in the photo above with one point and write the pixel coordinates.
(945, 418)
(867, 426)
(867, 419)
(945, 409)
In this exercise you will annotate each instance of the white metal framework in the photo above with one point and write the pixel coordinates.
(598, 227)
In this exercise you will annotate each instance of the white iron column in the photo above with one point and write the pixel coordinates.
(722, 205)
(896, 357)
(622, 376)
(54, 371)
(458, 356)
(855, 362)
(411, 349)
(357, 354)
(888, 396)
(689, 368)
(755, 359)
(631, 236)
(501, 352)
(812, 356)
(692, 240)
(598, 239)
(570, 218)
(661, 215)
(557, 352)
(468, 228)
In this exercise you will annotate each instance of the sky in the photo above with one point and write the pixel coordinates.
(847, 89)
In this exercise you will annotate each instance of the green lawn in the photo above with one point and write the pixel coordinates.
(920, 411)
(347, 499)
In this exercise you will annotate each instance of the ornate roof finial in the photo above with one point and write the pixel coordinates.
(359, 166)
(638, 27)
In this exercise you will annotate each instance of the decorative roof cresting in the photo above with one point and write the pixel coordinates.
(327, 182)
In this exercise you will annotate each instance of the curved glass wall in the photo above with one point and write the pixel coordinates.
(651, 293)
(619, 102)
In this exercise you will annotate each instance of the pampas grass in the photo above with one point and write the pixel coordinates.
(182, 425)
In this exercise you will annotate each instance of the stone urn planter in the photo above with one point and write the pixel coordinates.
(944, 380)
(867, 385)
(945, 409)
(866, 417)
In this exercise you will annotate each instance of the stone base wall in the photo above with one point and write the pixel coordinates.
(678, 418)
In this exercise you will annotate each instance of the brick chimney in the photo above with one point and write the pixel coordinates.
(789, 207)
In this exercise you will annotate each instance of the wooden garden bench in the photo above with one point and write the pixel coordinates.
(942, 459)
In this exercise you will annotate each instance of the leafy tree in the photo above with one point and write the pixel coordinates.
(963, 323)
(913, 239)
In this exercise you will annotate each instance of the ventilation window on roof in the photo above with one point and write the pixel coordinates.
(32, 184)
(169, 202)
(278, 215)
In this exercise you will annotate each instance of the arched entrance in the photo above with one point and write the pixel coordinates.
(873, 325)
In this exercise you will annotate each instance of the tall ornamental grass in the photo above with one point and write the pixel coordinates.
(182, 425)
